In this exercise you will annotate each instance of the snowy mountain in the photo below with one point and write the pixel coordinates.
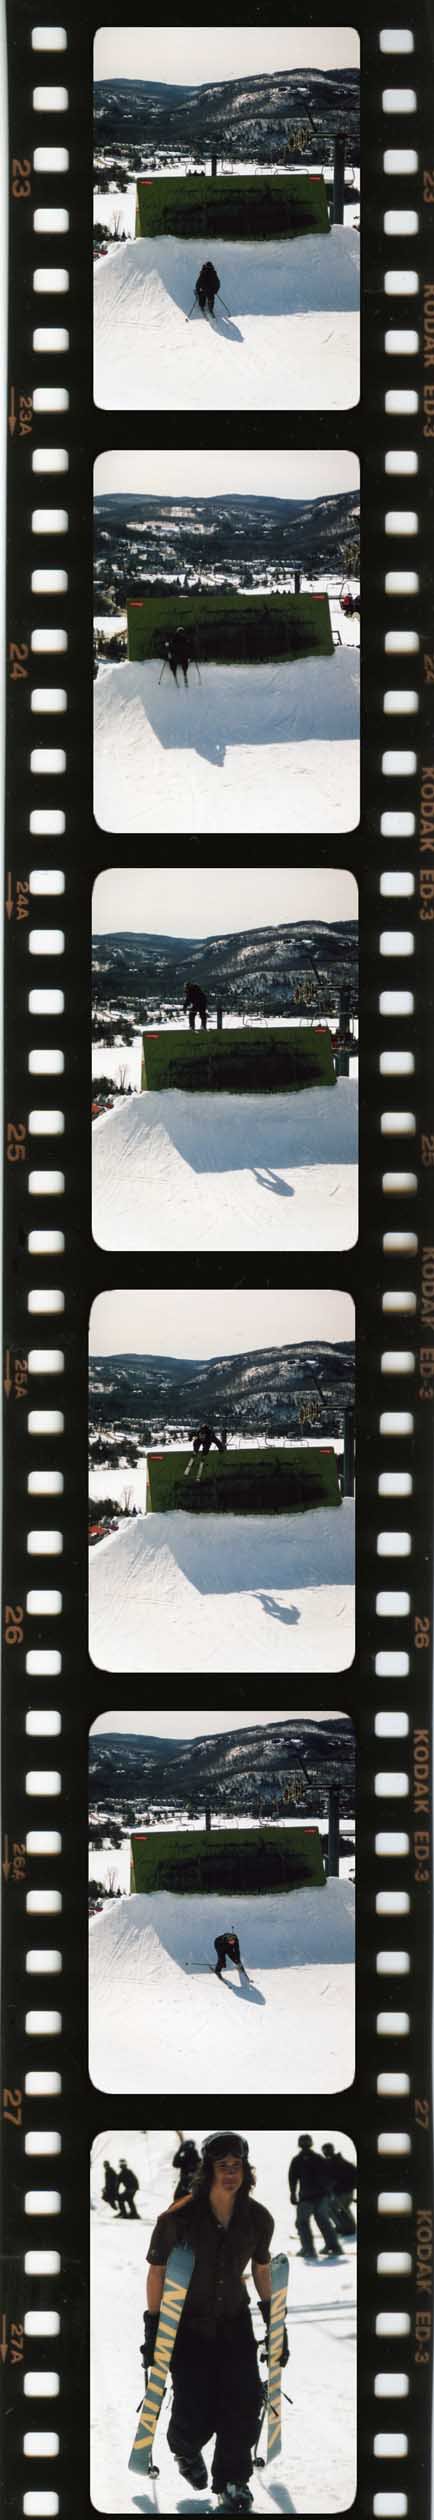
(236, 1770)
(237, 117)
(254, 970)
(173, 538)
(253, 1393)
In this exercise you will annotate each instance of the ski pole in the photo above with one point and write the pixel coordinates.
(199, 676)
(187, 319)
(163, 670)
(226, 308)
(257, 2462)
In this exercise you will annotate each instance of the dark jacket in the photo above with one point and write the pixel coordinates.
(308, 2177)
(208, 278)
(128, 2182)
(186, 2158)
(110, 2189)
(341, 2175)
(228, 1943)
(195, 996)
(222, 2255)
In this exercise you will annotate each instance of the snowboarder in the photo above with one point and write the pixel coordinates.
(127, 2192)
(110, 2188)
(216, 2385)
(195, 1004)
(186, 2160)
(309, 2193)
(341, 2181)
(227, 1948)
(207, 286)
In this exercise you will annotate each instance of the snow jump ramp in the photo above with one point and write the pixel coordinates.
(278, 350)
(260, 1170)
(253, 747)
(149, 276)
(267, 1593)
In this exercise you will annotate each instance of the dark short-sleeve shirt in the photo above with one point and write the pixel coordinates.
(223, 2255)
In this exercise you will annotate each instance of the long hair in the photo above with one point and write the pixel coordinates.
(200, 2190)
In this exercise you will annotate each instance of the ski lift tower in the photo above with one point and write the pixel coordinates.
(339, 178)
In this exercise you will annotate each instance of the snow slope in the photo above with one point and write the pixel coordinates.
(317, 2468)
(249, 748)
(160, 2022)
(293, 340)
(225, 1593)
(257, 1171)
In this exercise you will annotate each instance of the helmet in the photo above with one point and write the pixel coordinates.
(219, 2143)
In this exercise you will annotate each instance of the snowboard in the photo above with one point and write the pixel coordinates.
(178, 2276)
(279, 2291)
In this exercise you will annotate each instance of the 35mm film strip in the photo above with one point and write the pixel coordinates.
(207, 1278)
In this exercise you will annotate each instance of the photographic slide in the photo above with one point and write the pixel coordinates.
(221, 1897)
(226, 218)
(227, 641)
(221, 1473)
(281, 2205)
(224, 1058)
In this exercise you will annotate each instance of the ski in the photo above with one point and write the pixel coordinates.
(279, 2291)
(178, 2276)
(223, 1979)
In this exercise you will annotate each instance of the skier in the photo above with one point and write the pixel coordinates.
(195, 1003)
(186, 2160)
(216, 2386)
(207, 286)
(341, 2181)
(178, 652)
(227, 1948)
(110, 2189)
(350, 604)
(204, 1437)
(127, 2192)
(309, 2193)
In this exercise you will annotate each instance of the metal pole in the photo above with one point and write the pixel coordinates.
(208, 1816)
(333, 1848)
(219, 1019)
(213, 163)
(339, 178)
(348, 1485)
